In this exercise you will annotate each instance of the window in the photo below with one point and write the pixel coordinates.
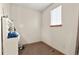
(56, 15)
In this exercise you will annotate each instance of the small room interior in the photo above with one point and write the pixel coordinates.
(38, 34)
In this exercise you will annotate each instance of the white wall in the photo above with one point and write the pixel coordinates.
(27, 22)
(6, 9)
(62, 38)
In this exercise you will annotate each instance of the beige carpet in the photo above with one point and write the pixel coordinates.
(38, 48)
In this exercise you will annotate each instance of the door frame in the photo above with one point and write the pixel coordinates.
(77, 41)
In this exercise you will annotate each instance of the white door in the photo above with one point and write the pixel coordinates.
(0, 36)
(0, 28)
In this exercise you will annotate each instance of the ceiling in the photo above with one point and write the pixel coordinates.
(35, 6)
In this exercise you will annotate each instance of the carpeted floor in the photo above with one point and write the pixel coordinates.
(38, 48)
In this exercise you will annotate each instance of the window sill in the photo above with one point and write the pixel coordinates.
(55, 25)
